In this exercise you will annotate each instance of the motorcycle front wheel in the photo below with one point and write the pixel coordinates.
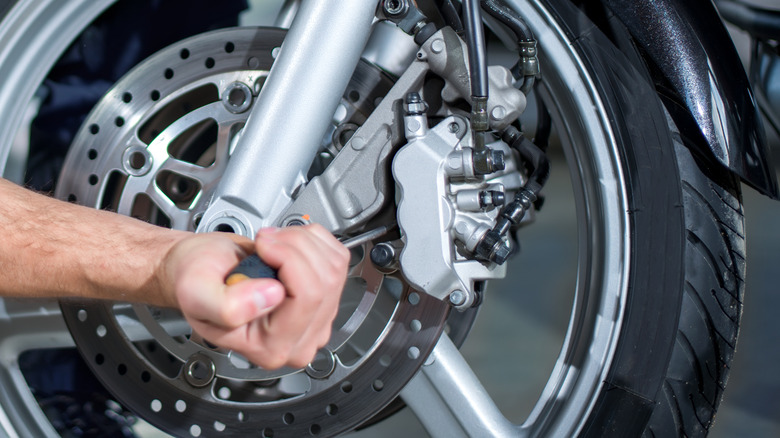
(659, 249)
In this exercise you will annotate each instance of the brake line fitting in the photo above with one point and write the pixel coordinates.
(527, 67)
(492, 247)
(406, 15)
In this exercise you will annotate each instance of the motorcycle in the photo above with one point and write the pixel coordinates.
(382, 121)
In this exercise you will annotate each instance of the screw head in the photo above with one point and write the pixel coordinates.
(457, 297)
(382, 255)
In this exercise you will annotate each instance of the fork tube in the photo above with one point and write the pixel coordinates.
(291, 115)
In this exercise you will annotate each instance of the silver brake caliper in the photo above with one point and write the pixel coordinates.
(448, 190)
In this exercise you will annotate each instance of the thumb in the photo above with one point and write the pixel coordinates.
(248, 300)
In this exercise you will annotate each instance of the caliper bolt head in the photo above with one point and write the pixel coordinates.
(488, 161)
(383, 255)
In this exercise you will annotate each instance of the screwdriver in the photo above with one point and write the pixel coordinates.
(253, 267)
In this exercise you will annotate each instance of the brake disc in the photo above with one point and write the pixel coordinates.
(155, 148)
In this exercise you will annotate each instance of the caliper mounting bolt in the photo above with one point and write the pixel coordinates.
(457, 297)
(383, 255)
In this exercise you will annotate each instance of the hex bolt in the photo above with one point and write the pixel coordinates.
(237, 97)
(383, 255)
(488, 161)
(457, 297)
(415, 106)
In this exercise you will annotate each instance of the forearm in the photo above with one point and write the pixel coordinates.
(50, 248)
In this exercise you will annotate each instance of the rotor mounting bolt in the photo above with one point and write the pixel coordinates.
(199, 370)
(457, 297)
(237, 97)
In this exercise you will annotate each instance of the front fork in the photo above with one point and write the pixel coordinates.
(295, 106)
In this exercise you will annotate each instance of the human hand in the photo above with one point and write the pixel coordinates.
(271, 323)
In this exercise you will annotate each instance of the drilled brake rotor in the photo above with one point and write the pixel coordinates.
(155, 147)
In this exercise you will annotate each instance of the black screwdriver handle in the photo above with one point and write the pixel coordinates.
(250, 267)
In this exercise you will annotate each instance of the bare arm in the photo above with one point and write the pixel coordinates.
(49, 248)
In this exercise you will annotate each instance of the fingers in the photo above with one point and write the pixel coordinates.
(272, 323)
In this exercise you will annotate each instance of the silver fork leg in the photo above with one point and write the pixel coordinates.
(294, 108)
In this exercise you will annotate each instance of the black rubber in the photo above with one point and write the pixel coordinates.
(687, 257)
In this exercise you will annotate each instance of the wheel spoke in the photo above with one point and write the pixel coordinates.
(449, 399)
(26, 325)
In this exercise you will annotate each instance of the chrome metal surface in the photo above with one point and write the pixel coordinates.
(294, 109)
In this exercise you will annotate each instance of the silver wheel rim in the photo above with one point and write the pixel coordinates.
(575, 380)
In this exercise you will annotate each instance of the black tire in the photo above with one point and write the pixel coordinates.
(688, 263)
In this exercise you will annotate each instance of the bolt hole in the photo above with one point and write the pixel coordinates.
(137, 160)
(225, 228)
(236, 97)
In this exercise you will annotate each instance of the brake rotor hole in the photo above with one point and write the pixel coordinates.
(92, 154)
(288, 418)
(229, 47)
(332, 409)
(101, 330)
(224, 393)
(210, 62)
(156, 405)
(219, 427)
(241, 417)
(146, 377)
(82, 315)
(184, 54)
(154, 95)
(119, 122)
(413, 352)
(94, 129)
(127, 97)
(99, 359)
(354, 96)
(385, 360)
(268, 433)
(195, 430)
(346, 387)
(168, 73)
(72, 198)
(378, 385)
(415, 325)
(121, 369)
(315, 429)
(181, 406)
(414, 298)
